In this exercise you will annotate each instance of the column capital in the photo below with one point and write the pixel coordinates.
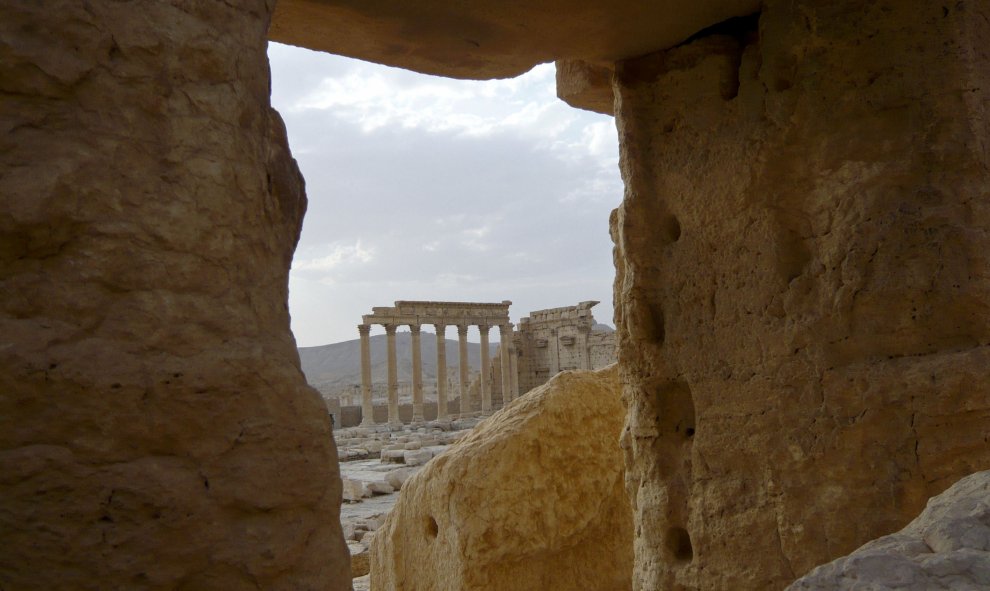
(440, 327)
(462, 329)
(414, 328)
(484, 328)
(390, 328)
(364, 329)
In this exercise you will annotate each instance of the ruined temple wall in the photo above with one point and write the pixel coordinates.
(802, 288)
(602, 349)
(560, 339)
(155, 429)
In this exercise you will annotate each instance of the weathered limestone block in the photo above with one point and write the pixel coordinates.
(585, 86)
(946, 547)
(802, 284)
(155, 429)
(493, 38)
(532, 499)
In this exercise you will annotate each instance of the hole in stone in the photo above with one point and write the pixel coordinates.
(782, 84)
(672, 228)
(678, 543)
(432, 529)
(659, 330)
(675, 410)
(740, 27)
(793, 255)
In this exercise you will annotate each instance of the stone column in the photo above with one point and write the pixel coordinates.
(514, 370)
(462, 351)
(367, 406)
(505, 335)
(417, 376)
(484, 389)
(441, 372)
(553, 344)
(584, 346)
(393, 379)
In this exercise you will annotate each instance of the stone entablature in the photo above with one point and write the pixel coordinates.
(414, 314)
(558, 339)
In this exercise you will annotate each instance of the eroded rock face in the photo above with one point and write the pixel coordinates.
(802, 284)
(532, 499)
(946, 547)
(493, 38)
(155, 429)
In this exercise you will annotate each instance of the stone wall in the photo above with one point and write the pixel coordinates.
(560, 339)
(802, 283)
(155, 429)
(801, 289)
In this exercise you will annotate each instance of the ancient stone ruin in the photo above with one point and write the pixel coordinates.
(558, 339)
(547, 342)
(801, 290)
(440, 314)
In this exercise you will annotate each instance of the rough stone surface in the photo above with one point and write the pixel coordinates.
(531, 499)
(802, 284)
(494, 38)
(585, 86)
(946, 547)
(155, 429)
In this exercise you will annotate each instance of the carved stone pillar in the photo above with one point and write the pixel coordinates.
(553, 343)
(505, 336)
(367, 406)
(584, 346)
(514, 369)
(484, 389)
(393, 379)
(442, 414)
(417, 375)
(462, 351)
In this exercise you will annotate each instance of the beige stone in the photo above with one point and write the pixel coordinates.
(946, 547)
(559, 339)
(492, 38)
(801, 290)
(155, 429)
(585, 86)
(802, 284)
(531, 499)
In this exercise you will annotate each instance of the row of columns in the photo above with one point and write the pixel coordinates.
(367, 407)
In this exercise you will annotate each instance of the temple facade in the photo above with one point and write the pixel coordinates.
(546, 343)
(461, 315)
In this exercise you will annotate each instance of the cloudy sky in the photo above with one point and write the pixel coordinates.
(426, 188)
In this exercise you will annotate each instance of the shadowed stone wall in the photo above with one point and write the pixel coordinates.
(803, 284)
(155, 429)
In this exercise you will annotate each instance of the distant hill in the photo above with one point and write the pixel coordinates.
(338, 365)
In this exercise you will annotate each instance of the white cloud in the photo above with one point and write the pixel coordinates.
(428, 188)
(339, 255)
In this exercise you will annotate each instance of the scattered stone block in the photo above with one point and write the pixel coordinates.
(380, 488)
(417, 457)
(354, 490)
(946, 547)
(394, 456)
(538, 486)
(398, 477)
